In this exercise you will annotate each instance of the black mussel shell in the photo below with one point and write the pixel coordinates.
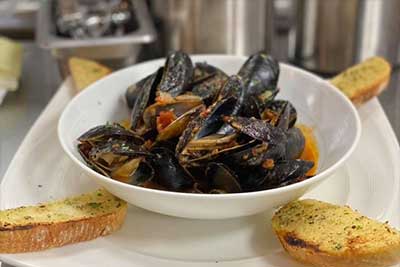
(208, 80)
(146, 96)
(214, 121)
(254, 155)
(117, 147)
(295, 142)
(188, 134)
(144, 173)
(103, 132)
(257, 129)
(280, 113)
(178, 74)
(169, 173)
(260, 74)
(222, 178)
(281, 173)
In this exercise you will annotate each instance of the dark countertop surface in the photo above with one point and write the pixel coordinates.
(40, 80)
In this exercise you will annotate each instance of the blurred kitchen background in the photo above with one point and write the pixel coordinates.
(323, 36)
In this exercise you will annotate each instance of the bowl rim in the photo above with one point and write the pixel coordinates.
(318, 177)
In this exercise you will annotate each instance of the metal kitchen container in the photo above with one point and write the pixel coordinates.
(325, 38)
(332, 35)
(237, 27)
(379, 30)
(115, 51)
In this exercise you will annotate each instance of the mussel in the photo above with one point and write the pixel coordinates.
(134, 91)
(280, 113)
(254, 154)
(294, 144)
(169, 173)
(205, 142)
(214, 120)
(208, 81)
(177, 126)
(178, 74)
(195, 129)
(104, 132)
(278, 174)
(222, 178)
(291, 140)
(174, 109)
(260, 75)
(141, 95)
(257, 129)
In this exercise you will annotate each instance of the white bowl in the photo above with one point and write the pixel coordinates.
(318, 103)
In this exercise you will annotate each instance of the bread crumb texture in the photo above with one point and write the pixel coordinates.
(85, 72)
(332, 229)
(361, 77)
(94, 204)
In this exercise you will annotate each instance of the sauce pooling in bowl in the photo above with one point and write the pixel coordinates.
(310, 151)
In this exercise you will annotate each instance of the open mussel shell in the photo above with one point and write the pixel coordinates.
(222, 178)
(254, 154)
(178, 108)
(146, 94)
(200, 151)
(280, 113)
(178, 74)
(124, 172)
(117, 147)
(203, 70)
(213, 122)
(260, 75)
(133, 91)
(149, 82)
(208, 80)
(252, 108)
(142, 175)
(188, 134)
(136, 171)
(257, 129)
(103, 132)
(83, 149)
(232, 87)
(211, 142)
(169, 173)
(175, 128)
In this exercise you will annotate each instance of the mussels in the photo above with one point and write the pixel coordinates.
(178, 73)
(260, 74)
(195, 129)
(145, 91)
(208, 81)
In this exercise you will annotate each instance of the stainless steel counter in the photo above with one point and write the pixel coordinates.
(40, 79)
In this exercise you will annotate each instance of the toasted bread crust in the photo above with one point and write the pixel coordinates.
(44, 236)
(370, 92)
(85, 72)
(326, 235)
(310, 254)
(365, 80)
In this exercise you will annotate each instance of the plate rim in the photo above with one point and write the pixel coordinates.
(13, 258)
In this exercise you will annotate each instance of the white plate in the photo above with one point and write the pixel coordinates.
(40, 171)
